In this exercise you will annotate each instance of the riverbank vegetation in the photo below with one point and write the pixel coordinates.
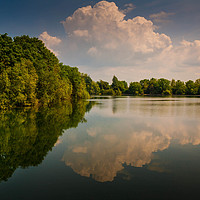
(30, 74)
(144, 87)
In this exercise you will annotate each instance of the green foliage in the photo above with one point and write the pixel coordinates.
(18, 85)
(105, 88)
(179, 88)
(191, 88)
(109, 92)
(197, 85)
(135, 88)
(164, 86)
(119, 87)
(91, 86)
(145, 85)
(77, 80)
(30, 73)
(153, 86)
(148, 87)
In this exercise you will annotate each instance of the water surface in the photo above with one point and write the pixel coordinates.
(104, 148)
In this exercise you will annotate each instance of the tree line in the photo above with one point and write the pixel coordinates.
(144, 87)
(30, 74)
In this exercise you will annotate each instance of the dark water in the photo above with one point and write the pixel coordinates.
(104, 148)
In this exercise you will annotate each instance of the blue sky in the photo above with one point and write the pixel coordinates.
(179, 20)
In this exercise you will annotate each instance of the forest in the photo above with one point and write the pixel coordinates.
(30, 74)
(151, 86)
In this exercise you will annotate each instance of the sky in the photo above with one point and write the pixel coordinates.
(132, 39)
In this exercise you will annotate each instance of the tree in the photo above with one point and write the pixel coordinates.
(153, 86)
(164, 86)
(173, 86)
(119, 87)
(197, 86)
(30, 73)
(179, 88)
(91, 86)
(105, 88)
(135, 88)
(145, 85)
(191, 88)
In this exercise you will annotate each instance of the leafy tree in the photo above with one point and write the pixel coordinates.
(77, 80)
(105, 88)
(191, 88)
(115, 83)
(91, 86)
(30, 73)
(109, 92)
(135, 88)
(123, 86)
(197, 86)
(164, 86)
(145, 85)
(173, 86)
(179, 88)
(119, 87)
(154, 86)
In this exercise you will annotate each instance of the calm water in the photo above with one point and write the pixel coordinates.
(104, 148)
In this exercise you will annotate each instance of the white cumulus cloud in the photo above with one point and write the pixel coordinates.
(102, 42)
(50, 41)
(104, 29)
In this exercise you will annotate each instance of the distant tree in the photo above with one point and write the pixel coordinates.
(197, 86)
(115, 83)
(191, 88)
(91, 86)
(154, 86)
(77, 80)
(145, 85)
(179, 88)
(94, 90)
(135, 88)
(119, 87)
(164, 86)
(105, 88)
(109, 92)
(123, 86)
(173, 86)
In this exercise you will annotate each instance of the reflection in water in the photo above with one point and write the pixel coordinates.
(130, 136)
(26, 135)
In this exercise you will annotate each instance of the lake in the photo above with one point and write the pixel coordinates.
(102, 148)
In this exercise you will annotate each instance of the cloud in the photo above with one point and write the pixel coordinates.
(100, 149)
(102, 42)
(128, 8)
(50, 41)
(188, 54)
(161, 17)
(103, 29)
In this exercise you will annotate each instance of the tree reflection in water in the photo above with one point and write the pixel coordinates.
(27, 135)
